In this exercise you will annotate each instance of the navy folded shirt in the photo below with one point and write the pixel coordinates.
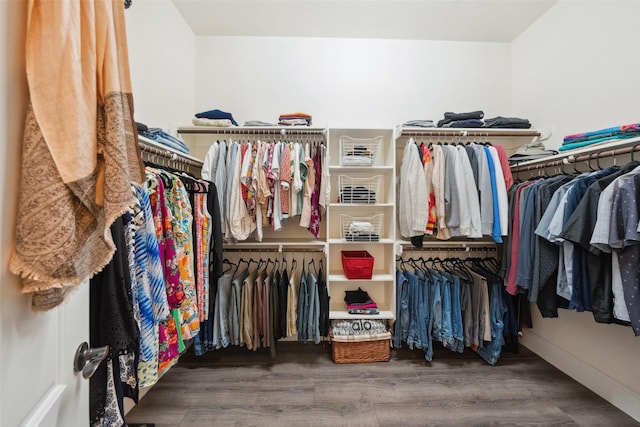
(217, 115)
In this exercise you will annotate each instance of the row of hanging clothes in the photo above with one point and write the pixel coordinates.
(452, 189)
(268, 184)
(258, 301)
(151, 299)
(458, 302)
(574, 241)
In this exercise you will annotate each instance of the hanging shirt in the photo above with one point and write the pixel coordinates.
(413, 198)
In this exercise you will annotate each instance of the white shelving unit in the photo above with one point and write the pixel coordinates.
(381, 287)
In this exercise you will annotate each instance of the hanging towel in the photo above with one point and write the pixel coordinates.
(80, 151)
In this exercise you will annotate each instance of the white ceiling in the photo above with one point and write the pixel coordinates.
(451, 20)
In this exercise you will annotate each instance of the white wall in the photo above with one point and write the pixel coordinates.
(577, 69)
(162, 62)
(351, 82)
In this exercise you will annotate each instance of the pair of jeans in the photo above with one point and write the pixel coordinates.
(424, 313)
(457, 327)
(491, 352)
(401, 327)
(436, 307)
(413, 336)
(447, 329)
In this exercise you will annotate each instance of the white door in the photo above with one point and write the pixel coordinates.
(37, 384)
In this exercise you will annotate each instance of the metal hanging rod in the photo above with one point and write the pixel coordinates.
(279, 248)
(258, 130)
(570, 159)
(168, 154)
(150, 146)
(450, 249)
(471, 132)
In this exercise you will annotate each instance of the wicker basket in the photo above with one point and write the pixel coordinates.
(376, 349)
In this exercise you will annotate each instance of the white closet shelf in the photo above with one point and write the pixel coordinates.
(569, 156)
(248, 130)
(339, 241)
(418, 131)
(344, 314)
(377, 277)
(312, 243)
(368, 169)
(358, 205)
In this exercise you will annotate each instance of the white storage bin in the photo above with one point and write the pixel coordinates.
(361, 228)
(360, 151)
(359, 190)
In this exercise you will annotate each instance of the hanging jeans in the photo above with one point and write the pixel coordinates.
(436, 307)
(413, 337)
(401, 327)
(491, 352)
(456, 315)
(424, 314)
(447, 330)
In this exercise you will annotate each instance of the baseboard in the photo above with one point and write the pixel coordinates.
(613, 391)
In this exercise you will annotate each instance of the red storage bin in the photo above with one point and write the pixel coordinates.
(357, 264)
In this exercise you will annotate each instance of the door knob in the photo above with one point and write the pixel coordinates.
(88, 359)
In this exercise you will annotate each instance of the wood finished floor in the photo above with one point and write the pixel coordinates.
(303, 387)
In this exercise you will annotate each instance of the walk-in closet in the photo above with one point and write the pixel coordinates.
(332, 213)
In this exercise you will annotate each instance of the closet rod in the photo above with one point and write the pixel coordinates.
(273, 249)
(167, 154)
(595, 155)
(479, 132)
(450, 249)
(251, 130)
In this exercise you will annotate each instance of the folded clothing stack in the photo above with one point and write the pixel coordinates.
(161, 137)
(500, 122)
(426, 123)
(472, 119)
(361, 231)
(216, 116)
(583, 139)
(359, 302)
(295, 119)
(359, 155)
(359, 194)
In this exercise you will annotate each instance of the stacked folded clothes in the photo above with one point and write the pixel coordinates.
(419, 123)
(220, 123)
(587, 138)
(359, 302)
(295, 119)
(215, 115)
(359, 155)
(500, 122)
(257, 123)
(161, 137)
(361, 231)
(472, 119)
(358, 194)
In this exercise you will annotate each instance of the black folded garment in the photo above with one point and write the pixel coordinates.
(357, 194)
(453, 117)
(507, 123)
(357, 297)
